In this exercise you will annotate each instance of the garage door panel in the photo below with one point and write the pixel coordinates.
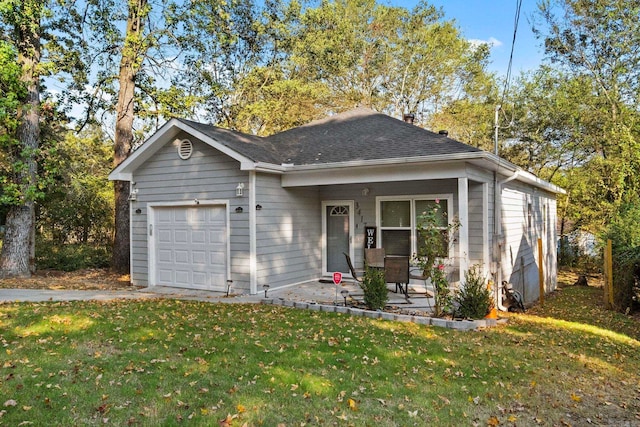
(217, 237)
(199, 257)
(216, 257)
(191, 247)
(181, 236)
(181, 256)
(200, 278)
(182, 277)
(164, 216)
(164, 236)
(165, 276)
(165, 255)
(217, 216)
(199, 215)
(199, 237)
(180, 215)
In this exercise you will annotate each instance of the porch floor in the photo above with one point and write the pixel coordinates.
(328, 293)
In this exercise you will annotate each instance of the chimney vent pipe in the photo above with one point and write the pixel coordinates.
(409, 118)
(443, 133)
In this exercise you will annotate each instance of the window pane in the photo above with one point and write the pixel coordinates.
(424, 206)
(396, 242)
(395, 213)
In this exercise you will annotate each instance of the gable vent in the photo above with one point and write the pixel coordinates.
(185, 149)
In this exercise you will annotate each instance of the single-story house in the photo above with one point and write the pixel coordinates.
(210, 205)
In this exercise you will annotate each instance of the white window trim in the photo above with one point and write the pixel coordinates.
(446, 196)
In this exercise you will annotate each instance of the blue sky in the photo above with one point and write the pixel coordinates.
(493, 20)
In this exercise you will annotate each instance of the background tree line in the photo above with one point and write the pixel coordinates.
(263, 67)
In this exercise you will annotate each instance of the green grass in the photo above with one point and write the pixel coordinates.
(167, 362)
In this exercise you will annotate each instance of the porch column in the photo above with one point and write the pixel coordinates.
(463, 232)
(253, 267)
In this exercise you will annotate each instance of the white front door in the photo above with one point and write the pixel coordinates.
(338, 235)
(190, 247)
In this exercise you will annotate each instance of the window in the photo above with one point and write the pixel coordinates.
(399, 219)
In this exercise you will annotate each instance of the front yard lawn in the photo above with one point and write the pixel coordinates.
(174, 362)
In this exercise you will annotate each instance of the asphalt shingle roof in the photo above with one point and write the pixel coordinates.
(359, 134)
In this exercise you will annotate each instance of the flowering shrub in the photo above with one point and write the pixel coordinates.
(442, 294)
(435, 241)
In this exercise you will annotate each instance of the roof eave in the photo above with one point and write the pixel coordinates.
(485, 159)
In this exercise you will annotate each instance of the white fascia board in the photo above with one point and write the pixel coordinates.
(497, 164)
(263, 167)
(166, 133)
(373, 173)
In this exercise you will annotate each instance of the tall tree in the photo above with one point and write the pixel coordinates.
(346, 53)
(43, 35)
(596, 43)
(130, 62)
(24, 20)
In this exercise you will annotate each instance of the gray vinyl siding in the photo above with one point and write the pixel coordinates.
(521, 231)
(288, 233)
(207, 175)
(476, 224)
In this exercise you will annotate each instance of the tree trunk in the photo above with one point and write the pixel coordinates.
(17, 257)
(129, 65)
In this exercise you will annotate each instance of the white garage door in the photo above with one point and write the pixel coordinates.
(191, 247)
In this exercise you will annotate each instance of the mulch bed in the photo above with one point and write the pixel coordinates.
(90, 279)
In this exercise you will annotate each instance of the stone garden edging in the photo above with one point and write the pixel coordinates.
(460, 325)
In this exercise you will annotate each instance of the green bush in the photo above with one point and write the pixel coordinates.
(375, 289)
(71, 257)
(624, 232)
(474, 300)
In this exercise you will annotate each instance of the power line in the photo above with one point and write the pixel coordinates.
(513, 44)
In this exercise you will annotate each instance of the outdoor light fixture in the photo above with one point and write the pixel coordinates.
(239, 189)
(345, 294)
(138, 211)
(258, 207)
(365, 191)
(266, 288)
(239, 209)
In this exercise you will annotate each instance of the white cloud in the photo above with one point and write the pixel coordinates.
(492, 42)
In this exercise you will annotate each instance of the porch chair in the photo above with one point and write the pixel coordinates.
(374, 257)
(351, 269)
(396, 270)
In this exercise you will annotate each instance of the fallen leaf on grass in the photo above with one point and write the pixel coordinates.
(10, 402)
(493, 421)
(352, 404)
(575, 397)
